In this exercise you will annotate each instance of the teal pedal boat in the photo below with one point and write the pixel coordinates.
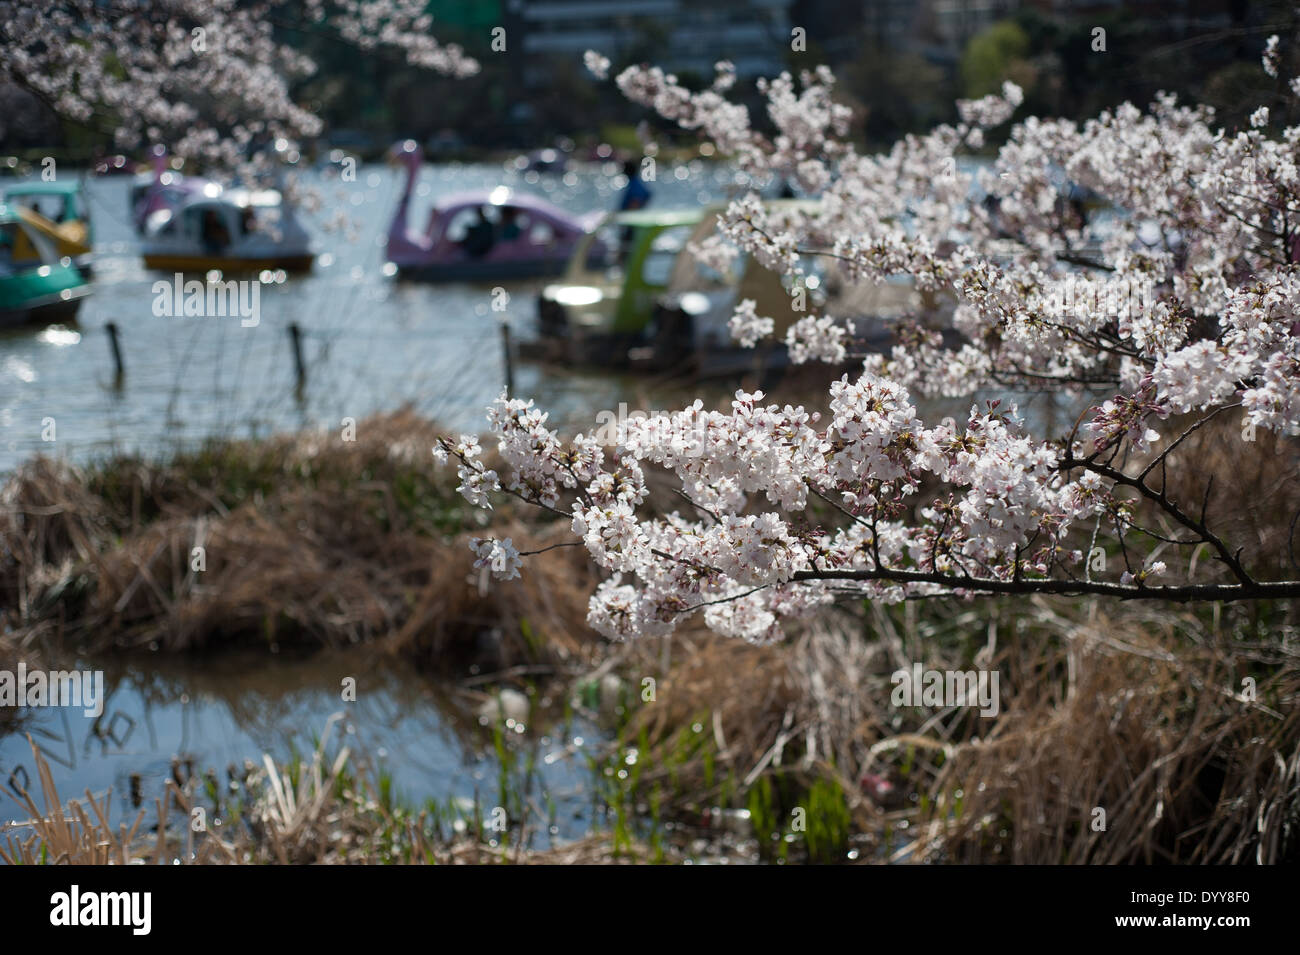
(48, 289)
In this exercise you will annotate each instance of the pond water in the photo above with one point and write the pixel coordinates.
(371, 341)
(165, 717)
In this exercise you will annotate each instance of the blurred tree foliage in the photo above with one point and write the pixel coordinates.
(1211, 57)
(896, 85)
(997, 54)
(895, 93)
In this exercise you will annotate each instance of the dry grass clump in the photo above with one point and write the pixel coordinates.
(78, 833)
(1145, 717)
(739, 694)
(1140, 713)
(784, 724)
(306, 540)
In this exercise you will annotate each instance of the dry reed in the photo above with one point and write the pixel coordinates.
(306, 540)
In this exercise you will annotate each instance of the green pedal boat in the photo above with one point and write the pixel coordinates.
(47, 290)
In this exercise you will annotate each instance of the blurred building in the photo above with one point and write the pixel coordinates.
(936, 29)
(1189, 9)
(456, 19)
(683, 36)
(939, 30)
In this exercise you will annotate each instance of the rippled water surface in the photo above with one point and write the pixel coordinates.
(371, 341)
(177, 716)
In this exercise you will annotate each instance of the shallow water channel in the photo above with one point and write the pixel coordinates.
(168, 717)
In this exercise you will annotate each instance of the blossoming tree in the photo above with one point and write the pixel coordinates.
(207, 77)
(1178, 303)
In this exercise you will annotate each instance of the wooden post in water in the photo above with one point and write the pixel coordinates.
(300, 370)
(119, 370)
(509, 362)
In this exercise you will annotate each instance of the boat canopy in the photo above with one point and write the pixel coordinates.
(256, 198)
(500, 196)
(67, 194)
(43, 187)
(44, 227)
(14, 216)
(196, 218)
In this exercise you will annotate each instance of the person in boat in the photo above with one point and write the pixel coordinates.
(479, 238)
(637, 194)
(215, 234)
(6, 251)
(510, 227)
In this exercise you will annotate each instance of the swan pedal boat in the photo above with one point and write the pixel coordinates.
(529, 237)
(48, 290)
(59, 212)
(231, 231)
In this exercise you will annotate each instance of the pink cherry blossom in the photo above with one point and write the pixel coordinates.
(1184, 299)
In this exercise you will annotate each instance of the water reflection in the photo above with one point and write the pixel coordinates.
(184, 716)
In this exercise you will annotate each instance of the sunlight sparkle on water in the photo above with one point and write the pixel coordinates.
(58, 335)
(19, 369)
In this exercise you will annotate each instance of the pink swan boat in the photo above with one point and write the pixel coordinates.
(164, 190)
(481, 236)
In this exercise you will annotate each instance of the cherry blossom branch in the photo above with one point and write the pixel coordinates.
(1255, 590)
(977, 506)
(208, 77)
(1198, 527)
